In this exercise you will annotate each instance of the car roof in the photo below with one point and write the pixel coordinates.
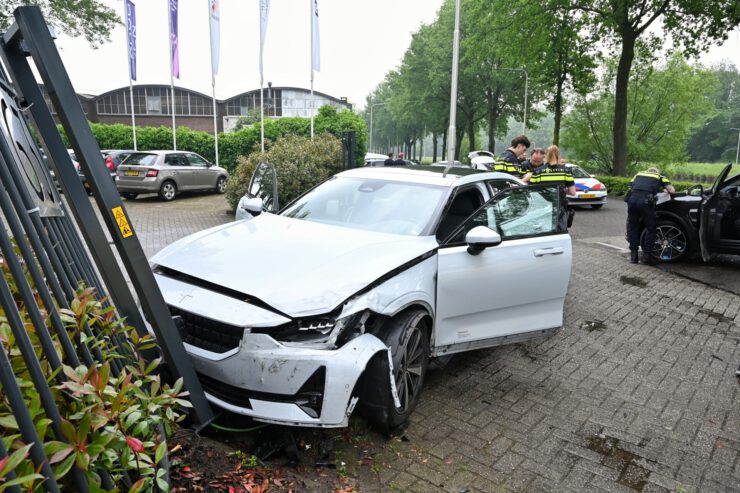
(429, 175)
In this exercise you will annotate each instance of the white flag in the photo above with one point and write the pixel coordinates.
(215, 19)
(264, 14)
(315, 42)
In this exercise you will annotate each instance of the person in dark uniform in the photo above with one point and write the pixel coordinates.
(389, 161)
(535, 160)
(553, 172)
(509, 161)
(641, 207)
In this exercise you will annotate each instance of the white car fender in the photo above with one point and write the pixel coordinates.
(414, 286)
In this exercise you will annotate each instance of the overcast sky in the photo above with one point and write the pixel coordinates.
(360, 41)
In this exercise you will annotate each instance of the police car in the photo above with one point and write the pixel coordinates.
(589, 190)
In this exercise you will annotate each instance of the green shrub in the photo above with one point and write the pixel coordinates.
(300, 163)
(111, 423)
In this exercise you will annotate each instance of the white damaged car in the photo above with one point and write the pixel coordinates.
(340, 299)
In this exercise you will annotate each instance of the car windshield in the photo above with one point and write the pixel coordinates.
(372, 204)
(578, 172)
(141, 159)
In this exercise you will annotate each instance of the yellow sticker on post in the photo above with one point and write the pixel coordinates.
(123, 224)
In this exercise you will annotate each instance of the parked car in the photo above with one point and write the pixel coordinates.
(589, 190)
(482, 160)
(374, 156)
(168, 173)
(111, 159)
(341, 298)
(699, 220)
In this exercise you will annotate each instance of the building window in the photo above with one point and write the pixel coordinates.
(154, 105)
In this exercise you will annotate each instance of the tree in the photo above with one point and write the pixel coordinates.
(91, 19)
(693, 24)
(665, 104)
(714, 141)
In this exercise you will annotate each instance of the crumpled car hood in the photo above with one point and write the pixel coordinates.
(298, 267)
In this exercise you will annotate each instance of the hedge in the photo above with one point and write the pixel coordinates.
(231, 145)
(618, 185)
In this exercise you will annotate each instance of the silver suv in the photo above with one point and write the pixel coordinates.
(168, 173)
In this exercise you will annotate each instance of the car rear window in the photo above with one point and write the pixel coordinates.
(141, 159)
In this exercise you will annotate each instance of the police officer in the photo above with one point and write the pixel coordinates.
(553, 172)
(535, 161)
(641, 206)
(509, 162)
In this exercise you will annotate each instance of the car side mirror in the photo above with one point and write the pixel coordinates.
(254, 206)
(695, 190)
(480, 238)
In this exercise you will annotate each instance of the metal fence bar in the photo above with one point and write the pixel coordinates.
(23, 342)
(11, 475)
(23, 418)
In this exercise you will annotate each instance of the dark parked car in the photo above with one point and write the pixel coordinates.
(111, 158)
(700, 220)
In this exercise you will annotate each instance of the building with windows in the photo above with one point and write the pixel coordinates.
(153, 107)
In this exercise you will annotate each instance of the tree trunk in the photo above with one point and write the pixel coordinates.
(444, 144)
(620, 103)
(558, 108)
(471, 135)
(434, 147)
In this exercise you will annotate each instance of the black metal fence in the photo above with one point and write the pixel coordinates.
(50, 245)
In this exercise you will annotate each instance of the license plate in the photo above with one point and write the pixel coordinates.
(587, 196)
(131, 173)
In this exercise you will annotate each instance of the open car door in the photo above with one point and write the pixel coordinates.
(263, 186)
(510, 291)
(710, 217)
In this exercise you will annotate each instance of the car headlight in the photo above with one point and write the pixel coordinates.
(324, 331)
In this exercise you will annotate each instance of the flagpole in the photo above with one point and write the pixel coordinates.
(130, 82)
(311, 11)
(213, 80)
(172, 79)
(262, 80)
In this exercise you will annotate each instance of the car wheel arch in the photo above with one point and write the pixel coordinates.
(689, 230)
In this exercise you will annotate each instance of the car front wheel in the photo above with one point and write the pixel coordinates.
(407, 336)
(221, 185)
(168, 190)
(671, 242)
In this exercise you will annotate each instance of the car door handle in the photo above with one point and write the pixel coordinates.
(548, 251)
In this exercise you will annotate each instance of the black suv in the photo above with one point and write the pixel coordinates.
(700, 220)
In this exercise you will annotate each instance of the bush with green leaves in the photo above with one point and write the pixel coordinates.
(232, 145)
(111, 422)
(300, 163)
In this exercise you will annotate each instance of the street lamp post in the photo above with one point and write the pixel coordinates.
(526, 92)
(371, 121)
(737, 151)
(453, 89)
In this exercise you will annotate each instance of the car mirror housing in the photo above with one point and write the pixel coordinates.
(695, 190)
(254, 206)
(480, 238)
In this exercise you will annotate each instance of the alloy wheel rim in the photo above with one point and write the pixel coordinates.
(408, 380)
(169, 191)
(670, 242)
(222, 185)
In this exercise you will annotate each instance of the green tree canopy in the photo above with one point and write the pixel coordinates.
(91, 19)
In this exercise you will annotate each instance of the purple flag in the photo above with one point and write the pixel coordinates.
(174, 44)
(131, 37)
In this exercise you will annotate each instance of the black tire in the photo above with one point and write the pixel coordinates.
(221, 185)
(168, 191)
(407, 336)
(129, 195)
(597, 206)
(671, 242)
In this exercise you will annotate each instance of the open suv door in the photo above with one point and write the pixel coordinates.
(711, 216)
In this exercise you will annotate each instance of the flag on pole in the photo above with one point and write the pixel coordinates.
(264, 14)
(215, 34)
(174, 44)
(316, 51)
(131, 37)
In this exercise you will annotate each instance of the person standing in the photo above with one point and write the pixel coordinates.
(553, 172)
(641, 207)
(389, 161)
(535, 160)
(509, 161)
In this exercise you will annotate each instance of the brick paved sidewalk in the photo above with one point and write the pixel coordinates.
(636, 393)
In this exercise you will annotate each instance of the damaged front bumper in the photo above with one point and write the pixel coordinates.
(274, 383)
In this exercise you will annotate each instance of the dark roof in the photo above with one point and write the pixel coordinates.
(159, 86)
